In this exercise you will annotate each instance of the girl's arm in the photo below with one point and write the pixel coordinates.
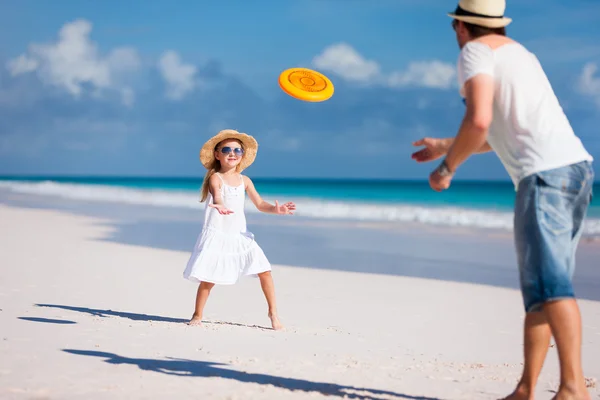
(215, 190)
(264, 206)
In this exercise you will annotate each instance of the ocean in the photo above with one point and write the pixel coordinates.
(467, 203)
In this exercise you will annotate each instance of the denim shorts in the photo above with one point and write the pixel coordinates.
(550, 208)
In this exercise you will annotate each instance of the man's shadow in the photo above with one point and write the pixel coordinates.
(141, 317)
(190, 368)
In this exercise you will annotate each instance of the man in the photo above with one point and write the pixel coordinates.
(511, 109)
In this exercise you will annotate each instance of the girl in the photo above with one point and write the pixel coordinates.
(225, 250)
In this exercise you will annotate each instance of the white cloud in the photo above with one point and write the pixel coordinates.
(344, 61)
(73, 60)
(21, 65)
(431, 74)
(589, 82)
(180, 77)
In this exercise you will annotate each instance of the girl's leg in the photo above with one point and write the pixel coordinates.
(266, 283)
(201, 297)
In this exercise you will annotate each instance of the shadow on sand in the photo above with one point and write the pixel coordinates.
(190, 368)
(48, 320)
(142, 317)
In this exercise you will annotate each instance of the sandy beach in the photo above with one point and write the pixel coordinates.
(86, 314)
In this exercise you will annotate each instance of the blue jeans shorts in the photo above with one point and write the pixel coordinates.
(550, 208)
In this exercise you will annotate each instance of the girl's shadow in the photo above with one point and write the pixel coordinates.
(142, 317)
(192, 368)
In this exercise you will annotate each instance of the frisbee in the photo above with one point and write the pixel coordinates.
(306, 84)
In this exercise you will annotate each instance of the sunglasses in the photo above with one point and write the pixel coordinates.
(228, 150)
(454, 24)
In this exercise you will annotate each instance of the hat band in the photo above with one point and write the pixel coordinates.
(464, 13)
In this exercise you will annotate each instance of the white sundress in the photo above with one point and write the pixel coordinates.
(225, 250)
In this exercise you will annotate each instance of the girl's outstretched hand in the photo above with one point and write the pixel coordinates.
(287, 208)
(221, 209)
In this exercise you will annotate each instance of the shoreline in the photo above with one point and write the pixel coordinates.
(460, 254)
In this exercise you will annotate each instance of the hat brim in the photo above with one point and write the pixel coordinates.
(207, 153)
(485, 22)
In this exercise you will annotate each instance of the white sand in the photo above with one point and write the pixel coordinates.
(349, 335)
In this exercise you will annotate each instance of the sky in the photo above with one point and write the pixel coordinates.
(134, 88)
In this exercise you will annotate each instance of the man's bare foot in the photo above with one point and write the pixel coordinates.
(275, 322)
(565, 393)
(196, 320)
(520, 393)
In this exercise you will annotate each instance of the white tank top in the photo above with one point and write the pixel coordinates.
(529, 130)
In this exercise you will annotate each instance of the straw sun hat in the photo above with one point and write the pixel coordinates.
(250, 145)
(486, 13)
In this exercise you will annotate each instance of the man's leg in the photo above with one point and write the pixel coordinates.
(536, 331)
(565, 322)
(562, 318)
(563, 315)
(548, 231)
(536, 340)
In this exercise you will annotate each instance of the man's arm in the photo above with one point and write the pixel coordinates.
(438, 147)
(472, 135)
(486, 148)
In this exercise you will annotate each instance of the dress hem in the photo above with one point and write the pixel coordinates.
(196, 279)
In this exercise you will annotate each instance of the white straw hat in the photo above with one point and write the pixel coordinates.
(250, 145)
(486, 13)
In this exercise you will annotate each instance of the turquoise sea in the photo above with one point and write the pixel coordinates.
(467, 203)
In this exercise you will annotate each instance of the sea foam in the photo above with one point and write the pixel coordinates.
(307, 207)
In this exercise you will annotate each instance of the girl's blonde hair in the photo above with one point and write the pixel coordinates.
(215, 166)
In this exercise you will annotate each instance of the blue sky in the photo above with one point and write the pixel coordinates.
(136, 87)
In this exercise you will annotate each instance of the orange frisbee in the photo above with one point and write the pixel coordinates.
(306, 84)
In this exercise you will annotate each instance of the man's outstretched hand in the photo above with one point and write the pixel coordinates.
(434, 149)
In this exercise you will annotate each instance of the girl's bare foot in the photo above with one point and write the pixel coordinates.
(275, 322)
(196, 320)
